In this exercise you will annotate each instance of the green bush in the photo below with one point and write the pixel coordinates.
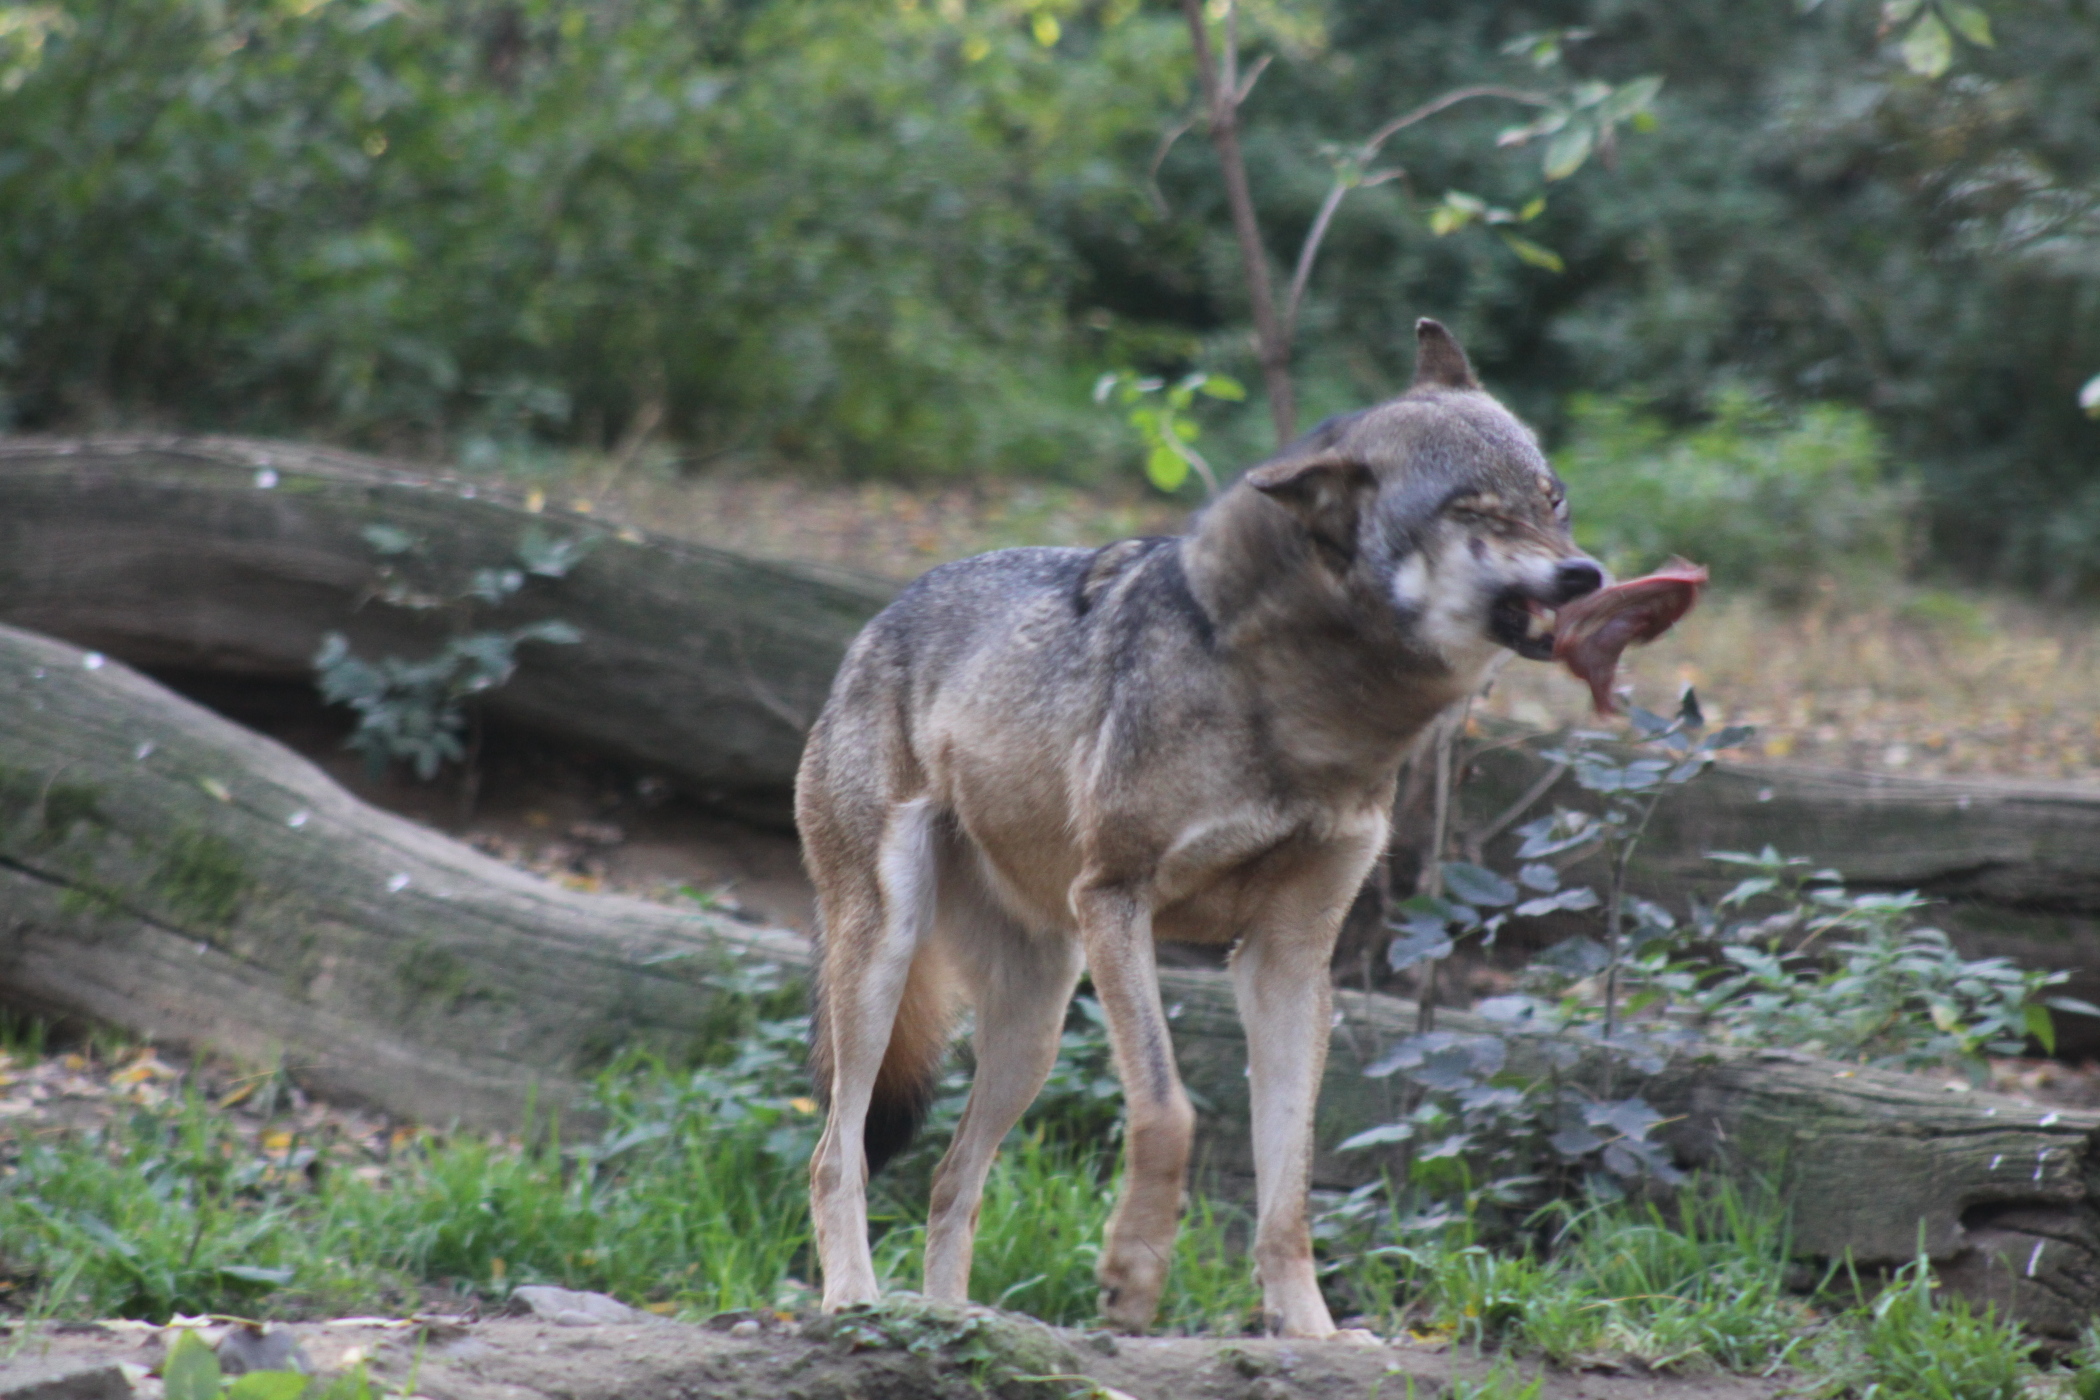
(1763, 498)
(812, 230)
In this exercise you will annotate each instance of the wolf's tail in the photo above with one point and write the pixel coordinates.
(911, 1066)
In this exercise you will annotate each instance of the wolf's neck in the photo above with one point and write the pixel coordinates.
(1326, 645)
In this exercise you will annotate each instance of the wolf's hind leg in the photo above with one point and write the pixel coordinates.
(878, 1009)
(1020, 984)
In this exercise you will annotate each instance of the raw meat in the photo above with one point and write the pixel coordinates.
(1589, 633)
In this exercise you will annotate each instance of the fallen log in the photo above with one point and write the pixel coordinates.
(236, 557)
(166, 871)
(2027, 846)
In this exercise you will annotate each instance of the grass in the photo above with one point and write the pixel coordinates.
(692, 1201)
(1696, 1286)
(149, 1219)
(170, 1210)
(1039, 1233)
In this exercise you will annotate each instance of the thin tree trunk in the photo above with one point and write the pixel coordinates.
(1221, 100)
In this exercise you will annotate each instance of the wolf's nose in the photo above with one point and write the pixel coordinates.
(1574, 578)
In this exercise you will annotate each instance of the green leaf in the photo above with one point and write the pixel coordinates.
(351, 1385)
(1165, 468)
(1928, 48)
(1575, 897)
(1476, 884)
(1419, 944)
(191, 1372)
(1629, 98)
(2074, 1005)
(1566, 152)
(1377, 1137)
(249, 1273)
(1223, 386)
(1732, 737)
(101, 1234)
(1424, 906)
(1534, 254)
(268, 1385)
(1532, 210)
(1456, 211)
(1689, 769)
(2041, 1025)
(1540, 877)
(1969, 21)
(1895, 12)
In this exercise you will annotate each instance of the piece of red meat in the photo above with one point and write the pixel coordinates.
(1589, 633)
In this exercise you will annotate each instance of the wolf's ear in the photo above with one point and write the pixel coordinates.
(1325, 491)
(1439, 359)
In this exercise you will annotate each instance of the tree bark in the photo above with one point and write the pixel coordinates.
(164, 870)
(237, 557)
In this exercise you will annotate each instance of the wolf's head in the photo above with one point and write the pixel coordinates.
(1441, 505)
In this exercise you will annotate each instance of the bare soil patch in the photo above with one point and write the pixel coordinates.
(912, 1353)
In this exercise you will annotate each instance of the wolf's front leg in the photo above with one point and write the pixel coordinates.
(1281, 978)
(1160, 1125)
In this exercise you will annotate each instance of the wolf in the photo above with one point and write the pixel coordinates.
(1040, 761)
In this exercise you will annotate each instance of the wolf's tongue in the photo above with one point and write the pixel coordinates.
(1592, 631)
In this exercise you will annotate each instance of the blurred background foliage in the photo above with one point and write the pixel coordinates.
(903, 238)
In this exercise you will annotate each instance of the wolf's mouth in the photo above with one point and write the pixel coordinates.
(1523, 624)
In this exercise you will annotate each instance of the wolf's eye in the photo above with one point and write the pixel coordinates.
(1559, 500)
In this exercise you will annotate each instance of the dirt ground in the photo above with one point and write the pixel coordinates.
(912, 1352)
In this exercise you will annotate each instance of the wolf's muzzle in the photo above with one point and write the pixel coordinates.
(1523, 621)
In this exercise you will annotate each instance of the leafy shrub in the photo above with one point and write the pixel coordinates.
(1469, 1122)
(815, 229)
(1851, 976)
(1763, 498)
(418, 710)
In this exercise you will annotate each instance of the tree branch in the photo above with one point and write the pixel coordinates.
(1221, 97)
(1309, 251)
(1450, 99)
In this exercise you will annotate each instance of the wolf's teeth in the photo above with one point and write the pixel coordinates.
(1541, 624)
